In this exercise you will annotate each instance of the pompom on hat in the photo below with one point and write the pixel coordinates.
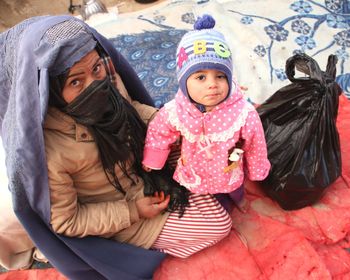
(202, 48)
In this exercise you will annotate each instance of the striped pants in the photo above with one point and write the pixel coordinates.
(204, 223)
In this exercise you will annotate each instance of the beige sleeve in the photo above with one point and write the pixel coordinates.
(73, 218)
(146, 112)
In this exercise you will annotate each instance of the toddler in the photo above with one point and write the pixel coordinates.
(221, 133)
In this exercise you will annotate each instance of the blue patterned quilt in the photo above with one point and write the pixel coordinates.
(262, 35)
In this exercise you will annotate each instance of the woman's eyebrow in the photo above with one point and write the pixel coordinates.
(97, 60)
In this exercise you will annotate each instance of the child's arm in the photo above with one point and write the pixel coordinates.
(255, 150)
(160, 136)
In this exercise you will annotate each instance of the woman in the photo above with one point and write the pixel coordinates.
(78, 186)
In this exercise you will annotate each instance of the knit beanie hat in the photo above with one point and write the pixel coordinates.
(202, 48)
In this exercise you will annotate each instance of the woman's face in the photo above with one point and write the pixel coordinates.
(90, 68)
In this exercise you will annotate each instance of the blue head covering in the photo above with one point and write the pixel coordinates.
(29, 52)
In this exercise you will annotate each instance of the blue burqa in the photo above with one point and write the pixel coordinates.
(25, 64)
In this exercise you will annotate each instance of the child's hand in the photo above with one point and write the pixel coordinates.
(146, 168)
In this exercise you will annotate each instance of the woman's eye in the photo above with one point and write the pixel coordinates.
(75, 83)
(99, 71)
(97, 68)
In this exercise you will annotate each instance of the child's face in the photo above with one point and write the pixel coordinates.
(208, 87)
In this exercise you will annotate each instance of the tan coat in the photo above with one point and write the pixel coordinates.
(83, 202)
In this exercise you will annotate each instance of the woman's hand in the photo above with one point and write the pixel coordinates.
(151, 206)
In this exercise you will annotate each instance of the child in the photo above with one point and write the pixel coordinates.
(222, 135)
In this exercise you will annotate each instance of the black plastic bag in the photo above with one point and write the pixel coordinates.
(299, 121)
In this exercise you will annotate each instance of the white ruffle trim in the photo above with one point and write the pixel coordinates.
(190, 186)
(222, 136)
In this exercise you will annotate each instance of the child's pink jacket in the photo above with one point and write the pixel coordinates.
(208, 141)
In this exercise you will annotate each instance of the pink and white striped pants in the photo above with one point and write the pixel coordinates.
(204, 223)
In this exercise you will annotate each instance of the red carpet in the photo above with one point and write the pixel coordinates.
(33, 274)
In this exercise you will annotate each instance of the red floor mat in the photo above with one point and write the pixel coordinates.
(33, 274)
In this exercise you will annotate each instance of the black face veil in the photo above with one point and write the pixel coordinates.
(115, 125)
